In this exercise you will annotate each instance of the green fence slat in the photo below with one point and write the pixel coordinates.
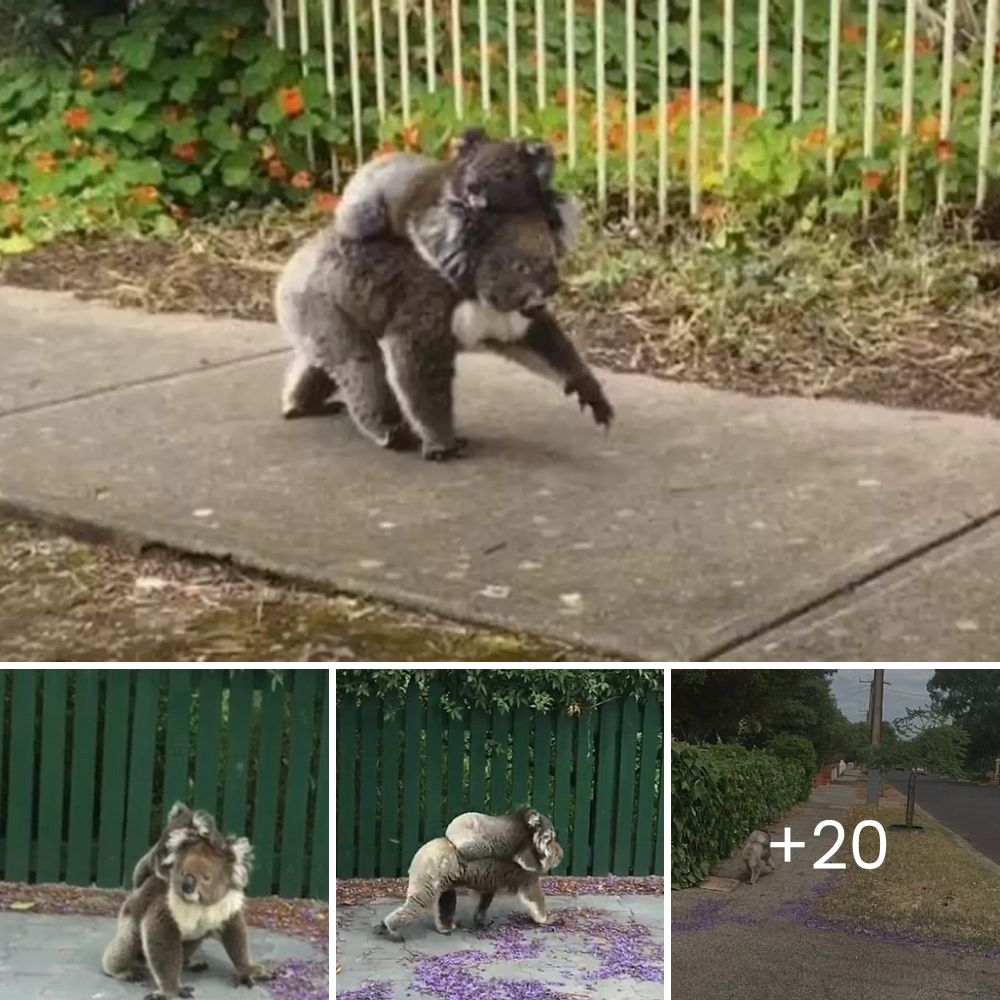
(265, 810)
(583, 776)
(541, 762)
(142, 758)
(114, 769)
(234, 797)
(319, 873)
(83, 774)
(388, 861)
(208, 750)
(347, 769)
(499, 800)
(21, 782)
(434, 800)
(479, 724)
(521, 757)
(413, 773)
(658, 856)
(368, 782)
(456, 768)
(52, 776)
(4, 674)
(299, 775)
(604, 793)
(625, 809)
(561, 786)
(175, 763)
(645, 833)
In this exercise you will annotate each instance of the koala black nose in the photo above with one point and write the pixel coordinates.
(188, 884)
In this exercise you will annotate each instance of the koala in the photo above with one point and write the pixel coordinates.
(179, 817)
(387, 196)
(378, 323)
(756, 852)
(199, 892)
(523, 837)
(438, 869)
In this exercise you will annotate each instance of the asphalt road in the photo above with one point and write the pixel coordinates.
(972, 811)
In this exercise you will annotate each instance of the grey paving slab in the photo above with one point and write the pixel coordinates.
(59, 958)
(56, 346)
(702, 518)
(940, 607)
(596, 946)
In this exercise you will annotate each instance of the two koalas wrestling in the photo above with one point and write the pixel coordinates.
(425, 258)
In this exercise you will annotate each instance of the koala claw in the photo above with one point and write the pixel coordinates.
(444, 453)
(186, 991)
(589, 393)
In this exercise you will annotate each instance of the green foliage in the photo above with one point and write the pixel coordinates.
(927, 738)
(718, 795)
(543, 690)
(799, 751)
(972, 700)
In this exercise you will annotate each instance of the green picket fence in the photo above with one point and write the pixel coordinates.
(91, 761)
(404, 770)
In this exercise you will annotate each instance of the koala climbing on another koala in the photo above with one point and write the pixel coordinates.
(179, 817)
(163, 922)
(373, 320)
(437, 869)
(524, 837)
(756, 852)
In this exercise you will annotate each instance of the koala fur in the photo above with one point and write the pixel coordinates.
(437, 869)
(374, 320)
(524, 837)
(199, 892)
(180, 816)
(756, 852)
(386, 195)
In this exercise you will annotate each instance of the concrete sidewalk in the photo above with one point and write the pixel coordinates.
(601, 947)
(45, 957)
(775, 948)
(705, 525)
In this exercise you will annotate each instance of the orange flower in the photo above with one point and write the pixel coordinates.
(561, 96)
(77, 118)
(230, 33)
(277, 170)
(871, 180)
(291, 101)
(945, 151)
(185, 150)
(12, 218)
(646, 124)
(743, 109)
(616, 136)
(387, 146)
(301, 180)
(815, 138)
(116, 75)
(171, 113)
(145, 193)
(47, 202)
(9, 190)
(923, 46)
(45, 162)
(88, 77)
(928, 128)
(326, 202)
(267, 151)
(411, 137)
(963, 88)
(853, 33)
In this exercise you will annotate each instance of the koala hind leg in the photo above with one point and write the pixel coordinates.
(307, 391)
(413, 907)
(421, 371)
(123, 956)
(480, 919)
(447, 902)
(534, 902)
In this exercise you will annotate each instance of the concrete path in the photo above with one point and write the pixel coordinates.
(706, 525)
(599, 947)
(59, 958)
(775, 948)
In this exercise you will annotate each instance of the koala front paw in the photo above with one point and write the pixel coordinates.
(186, 991)
(589, 392)
(444, 453)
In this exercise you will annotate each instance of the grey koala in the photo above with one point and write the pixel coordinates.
(523, 836)
(378, 322)
(756, 852)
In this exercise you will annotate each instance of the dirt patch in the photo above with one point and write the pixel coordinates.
(61, 599)
(905, 321)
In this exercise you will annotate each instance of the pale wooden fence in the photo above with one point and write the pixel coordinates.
(435, 39)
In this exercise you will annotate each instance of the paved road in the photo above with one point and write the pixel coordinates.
(706, 525)
(972, 811)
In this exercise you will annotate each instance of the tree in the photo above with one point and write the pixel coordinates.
(972, 699)
(925, 737)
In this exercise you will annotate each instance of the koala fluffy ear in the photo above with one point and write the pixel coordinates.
(468, 141)
(177, 809)
(242, 854)
(203, 823)
(176, 842)
(532, 819)
(542, 158)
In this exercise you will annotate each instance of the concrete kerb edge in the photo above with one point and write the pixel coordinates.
(133, 541)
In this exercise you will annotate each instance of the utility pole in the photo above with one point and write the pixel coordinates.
(875, 773)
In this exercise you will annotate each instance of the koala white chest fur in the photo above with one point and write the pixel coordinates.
(194, 920)
(474, 322)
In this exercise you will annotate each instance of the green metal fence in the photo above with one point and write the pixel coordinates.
(91, 760)
(404, 770)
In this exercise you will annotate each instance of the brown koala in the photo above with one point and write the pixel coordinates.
(165, 920)
(180, 816)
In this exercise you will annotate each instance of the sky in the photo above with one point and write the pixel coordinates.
(904, 688)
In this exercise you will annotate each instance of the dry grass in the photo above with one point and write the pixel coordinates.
(928, 883)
